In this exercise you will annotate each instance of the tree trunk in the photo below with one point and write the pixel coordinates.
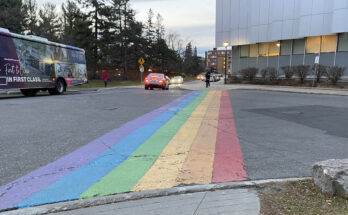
(96, 38)
(125, 41)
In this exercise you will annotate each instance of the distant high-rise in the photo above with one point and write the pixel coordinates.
(277, 33)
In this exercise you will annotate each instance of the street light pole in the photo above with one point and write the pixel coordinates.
(225, 44)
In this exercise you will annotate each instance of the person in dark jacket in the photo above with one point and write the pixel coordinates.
(207, 79)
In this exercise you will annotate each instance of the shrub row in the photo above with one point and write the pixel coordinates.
(332, 73)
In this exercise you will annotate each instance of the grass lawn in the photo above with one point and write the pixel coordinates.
(100, 83)
(298, 198)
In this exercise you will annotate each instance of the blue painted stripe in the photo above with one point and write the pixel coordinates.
(73, 185)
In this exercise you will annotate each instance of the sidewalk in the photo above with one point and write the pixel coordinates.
(199, 85)
(222, 198)
(238, 202)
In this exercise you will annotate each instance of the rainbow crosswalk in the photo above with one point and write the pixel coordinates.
(192, 140)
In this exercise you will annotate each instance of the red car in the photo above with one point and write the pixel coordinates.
(156, 80)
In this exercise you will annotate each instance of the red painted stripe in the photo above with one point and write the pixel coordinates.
(228, 163)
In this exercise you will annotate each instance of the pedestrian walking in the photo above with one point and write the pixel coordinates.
(207, 79)
(105, 77)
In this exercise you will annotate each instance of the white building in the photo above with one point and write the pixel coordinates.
(276, 33)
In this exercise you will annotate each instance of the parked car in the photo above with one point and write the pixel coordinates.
(218, 74)
(213, 78)
(177, 80)
(156, 80)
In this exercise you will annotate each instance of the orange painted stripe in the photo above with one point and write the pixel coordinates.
(228, 163)
(197, 168)
(164, 171)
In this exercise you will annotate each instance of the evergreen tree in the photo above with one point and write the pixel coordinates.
(150, 29)
(107, 30)
(12, 15)
(71, 13)
(159, 28)
(31, 17)
(49, 23)
(76, 32)
(188, 59)
(94, 8)
(196, 63)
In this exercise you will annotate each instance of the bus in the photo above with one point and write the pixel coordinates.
(32, 64)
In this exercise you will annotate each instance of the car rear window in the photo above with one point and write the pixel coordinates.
(155, 75)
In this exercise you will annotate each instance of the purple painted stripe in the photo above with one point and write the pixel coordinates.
(22, 188)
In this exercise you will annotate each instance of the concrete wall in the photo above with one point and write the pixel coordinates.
(255, 21)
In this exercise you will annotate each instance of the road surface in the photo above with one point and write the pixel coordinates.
(82, 145)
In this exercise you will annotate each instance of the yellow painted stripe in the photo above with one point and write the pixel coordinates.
(198, 167)
(166, 168)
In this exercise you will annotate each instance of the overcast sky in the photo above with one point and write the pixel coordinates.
(193, 20)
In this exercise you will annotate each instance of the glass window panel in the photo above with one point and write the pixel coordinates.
(244, 51)
(285, 47)
(263, 49)
(328, 43)
(254, 50)
(343, 42)
(274, 49)
(313, 45)
(298, 47)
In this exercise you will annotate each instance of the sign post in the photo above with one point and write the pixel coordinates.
(316, 65)
(141, 61)
(141, 69)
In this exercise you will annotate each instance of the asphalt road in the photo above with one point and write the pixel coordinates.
(281, 134)
(39, 130)
(284, 134)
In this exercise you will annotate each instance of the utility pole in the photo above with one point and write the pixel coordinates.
(225, 44)
(125, 41)
(96, 35)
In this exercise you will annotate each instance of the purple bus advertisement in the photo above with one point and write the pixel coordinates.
(34, 64)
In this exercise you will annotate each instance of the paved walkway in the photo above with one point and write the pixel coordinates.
(235, 201)
(200, 85)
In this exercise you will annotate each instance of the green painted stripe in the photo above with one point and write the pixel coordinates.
(127, 174)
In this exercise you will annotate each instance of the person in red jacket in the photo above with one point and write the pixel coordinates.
(105, 77)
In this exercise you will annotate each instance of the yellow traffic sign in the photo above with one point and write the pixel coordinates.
(141, 66)
(141, 61)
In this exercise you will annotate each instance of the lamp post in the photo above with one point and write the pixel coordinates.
(225, 44)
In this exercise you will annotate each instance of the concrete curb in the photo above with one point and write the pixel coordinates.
(98, 201)
(114, 88)
(302, 91)
(12, 92)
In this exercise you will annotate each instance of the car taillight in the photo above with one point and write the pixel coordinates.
(147, 80)
(161, 81)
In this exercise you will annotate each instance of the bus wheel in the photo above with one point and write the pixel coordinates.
(28, 92)
(59, 88)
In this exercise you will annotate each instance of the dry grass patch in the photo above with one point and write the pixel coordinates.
(302, 198)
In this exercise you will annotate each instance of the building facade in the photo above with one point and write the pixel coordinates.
(216, 60)
(277, 33)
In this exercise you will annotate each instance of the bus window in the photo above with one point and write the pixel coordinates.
(7, 48)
